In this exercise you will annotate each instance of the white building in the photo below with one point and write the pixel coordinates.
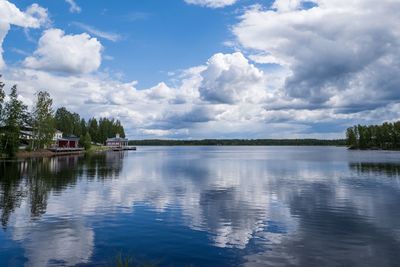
(57, 135)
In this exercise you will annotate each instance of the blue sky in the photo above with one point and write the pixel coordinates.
(154, 37)
(209, 68)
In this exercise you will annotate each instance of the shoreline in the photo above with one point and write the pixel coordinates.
(45, 153)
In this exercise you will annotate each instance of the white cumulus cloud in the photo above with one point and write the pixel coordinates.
(230, 78)
(34, 17)
(286, 5)
(332, 49)
(212, 3)
(58, 51)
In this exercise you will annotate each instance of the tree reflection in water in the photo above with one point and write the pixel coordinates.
(256, 206)
(371, 168)
(37, 178)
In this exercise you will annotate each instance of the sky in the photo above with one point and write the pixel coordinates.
(194, 69)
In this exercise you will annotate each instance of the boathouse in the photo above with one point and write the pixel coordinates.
(117, 141)
(68, 142)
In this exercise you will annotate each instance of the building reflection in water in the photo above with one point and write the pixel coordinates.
(25, 189)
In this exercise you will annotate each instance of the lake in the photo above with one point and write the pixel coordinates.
(203, 206)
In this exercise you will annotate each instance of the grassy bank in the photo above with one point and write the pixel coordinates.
(97, 148)
(34, 154)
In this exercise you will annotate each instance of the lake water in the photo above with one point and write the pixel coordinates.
(203, 206)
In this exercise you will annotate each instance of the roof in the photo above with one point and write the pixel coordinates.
(71, 137)
(114, 139)
(27, 132)
(26, 128)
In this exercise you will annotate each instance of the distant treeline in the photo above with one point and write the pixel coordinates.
(239, 142)
(385, 136)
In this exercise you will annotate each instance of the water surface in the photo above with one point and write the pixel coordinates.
(203, 206)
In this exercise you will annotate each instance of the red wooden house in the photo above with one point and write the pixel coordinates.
(68, 142)
(117, 142)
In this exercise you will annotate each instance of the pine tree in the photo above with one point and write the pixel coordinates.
(87, 141)
(93, 129)
(2, 96)
(83, 127)
(76, 122)
(43, 121)
(14, 113)
(351, 138)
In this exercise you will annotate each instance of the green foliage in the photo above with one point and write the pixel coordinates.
(385, 136)
(67, 122)
(351, 138)
(14, 114)
(122, 261)
(104, 128)
(2, 96)
(93, 129)
(109, 128)
(43, 121)
(127, 261)
(86, 141)
(99, 130)
(83, 127)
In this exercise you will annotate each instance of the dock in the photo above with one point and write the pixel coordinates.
(124, 148)
(66, 149)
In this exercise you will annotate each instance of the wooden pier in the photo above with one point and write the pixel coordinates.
(66, 149)
(124, 148)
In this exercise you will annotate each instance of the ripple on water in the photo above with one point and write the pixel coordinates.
(206, 206)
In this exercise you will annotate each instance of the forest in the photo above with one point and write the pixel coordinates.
(42, 122)
(385, 136)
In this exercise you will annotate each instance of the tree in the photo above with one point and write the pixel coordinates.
(384, 136)
(351, 138)
(43, 121)
(93, 129)
(64, 121)
(14, 113)
(119, 129)
(83, 127)
(76, 123)
(86, 141)
(109, 128)
(2, 96)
